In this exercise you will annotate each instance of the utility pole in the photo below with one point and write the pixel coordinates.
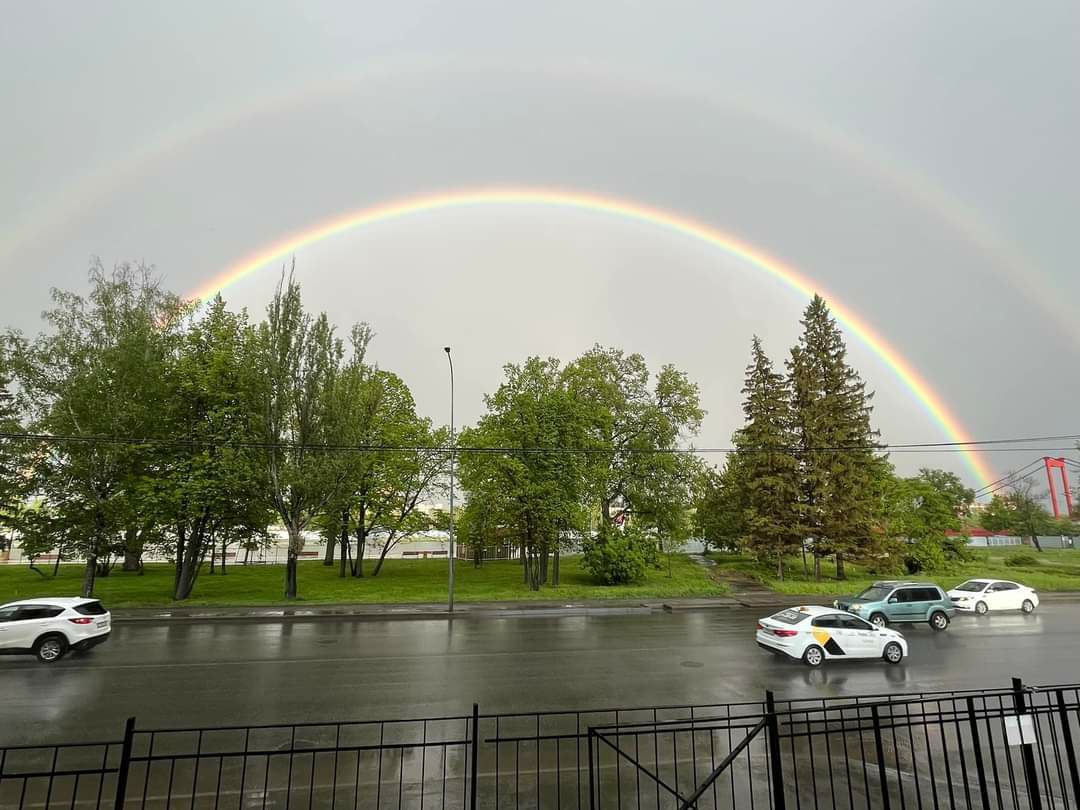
(450, 598)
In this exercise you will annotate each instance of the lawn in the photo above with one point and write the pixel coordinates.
(400, 581)
(1055, 570)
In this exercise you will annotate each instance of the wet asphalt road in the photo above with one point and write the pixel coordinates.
(219, 673)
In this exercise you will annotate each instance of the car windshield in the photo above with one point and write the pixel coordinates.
(789, 616)
(874, 593)
(973, 585)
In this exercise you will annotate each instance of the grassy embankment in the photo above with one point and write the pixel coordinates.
(1054, 570)
(400, 581)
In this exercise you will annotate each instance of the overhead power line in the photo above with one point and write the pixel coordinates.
(983, 446)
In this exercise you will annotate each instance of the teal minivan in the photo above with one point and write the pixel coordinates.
(896, 602)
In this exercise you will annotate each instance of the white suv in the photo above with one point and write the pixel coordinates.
(48, 628)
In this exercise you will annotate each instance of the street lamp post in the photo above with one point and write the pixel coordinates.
(450, 599)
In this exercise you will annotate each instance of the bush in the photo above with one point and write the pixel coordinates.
(618, 557)
(925, 556)
(957, 550)
(1021, 559)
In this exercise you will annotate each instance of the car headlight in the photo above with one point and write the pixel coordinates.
(856, 606)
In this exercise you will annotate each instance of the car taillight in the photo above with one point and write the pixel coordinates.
(786, 633)
(81, 620)
(760, 626)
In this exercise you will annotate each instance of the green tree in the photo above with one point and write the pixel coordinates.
(772, 525)
(384, 493)
(1019, 510)
(297, 359)
(721, 507)
(12, 458)
(97, 380)
(960, 497)
(836, 443)
(207, 486)
(534, 490)
(635, 421)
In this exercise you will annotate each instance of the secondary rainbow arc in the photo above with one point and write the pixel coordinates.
(929, 399)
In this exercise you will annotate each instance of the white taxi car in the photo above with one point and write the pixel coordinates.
(815, 634)
(48, 628)
(983, 595)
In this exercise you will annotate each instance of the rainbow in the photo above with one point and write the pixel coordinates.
(627, 210)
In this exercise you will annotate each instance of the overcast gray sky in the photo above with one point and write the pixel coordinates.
(916, 160)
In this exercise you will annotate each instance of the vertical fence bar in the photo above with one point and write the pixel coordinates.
(1070, 753)
(592, 787)
(880, 749)
(476, 753)
(776, 767)
(1030, 768)
(976, 747)
(125, 764)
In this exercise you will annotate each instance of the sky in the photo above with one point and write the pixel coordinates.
(915, 161)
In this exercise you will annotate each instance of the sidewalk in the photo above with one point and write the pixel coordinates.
(761, 599)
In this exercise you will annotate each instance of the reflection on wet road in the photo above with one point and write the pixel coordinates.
(236, 672)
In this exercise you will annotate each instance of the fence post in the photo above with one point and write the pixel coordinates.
(880, 749)
(592, 787)
(776, 767)
(1070, 754)
(475, 754)
(1030, 769)
(125, 764)
(984, 792)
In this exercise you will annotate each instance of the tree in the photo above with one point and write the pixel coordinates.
(534, 488)
(721, 507)
(960, 497)
(1019, 510)
(207, 487)
(383, 492)
(297, 359)
(635, 422)
(771, 519)
(12, 458)
(96, 379)
(836, 443)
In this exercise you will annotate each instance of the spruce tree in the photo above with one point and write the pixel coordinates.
(767, 468)
(837, 459)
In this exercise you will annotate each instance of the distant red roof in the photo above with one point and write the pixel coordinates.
(973, 533)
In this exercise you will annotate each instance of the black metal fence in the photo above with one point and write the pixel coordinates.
(1005, 749)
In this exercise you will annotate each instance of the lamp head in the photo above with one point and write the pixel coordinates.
(446, 349)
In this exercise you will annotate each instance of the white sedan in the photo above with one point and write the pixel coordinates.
(983, 595)
(815, 634)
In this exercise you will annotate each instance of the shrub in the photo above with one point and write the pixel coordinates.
(1021, 559)
(957, 550)
(619, 557)
(925, 556)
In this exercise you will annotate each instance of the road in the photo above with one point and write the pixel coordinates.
(177, 673)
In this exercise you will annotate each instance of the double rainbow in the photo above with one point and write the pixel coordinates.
(931, 402)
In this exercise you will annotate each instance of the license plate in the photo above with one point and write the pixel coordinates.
(103, 624)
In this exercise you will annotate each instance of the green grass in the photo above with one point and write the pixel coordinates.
(400, 581)
(1055, 570)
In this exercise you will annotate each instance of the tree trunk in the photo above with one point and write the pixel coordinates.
(780, 566)
(555, 566)
(89, 575)
(213, 553)
(224, 550)
(296, 545)
(181, 541)
(840, 571)
(331, 543)
(290, 575)
(344, 541)
(56, 564)
(805, 566)
(1035, 540)
(544, 566)
(361, 539)
(817, 567)
(133, 549)
(382, 558)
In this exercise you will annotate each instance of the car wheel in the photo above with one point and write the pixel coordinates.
(878, 620)
(1028, 606)
(813, 656)
(981, 608)
(50, 649)
(893, 653)
(939, 621)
